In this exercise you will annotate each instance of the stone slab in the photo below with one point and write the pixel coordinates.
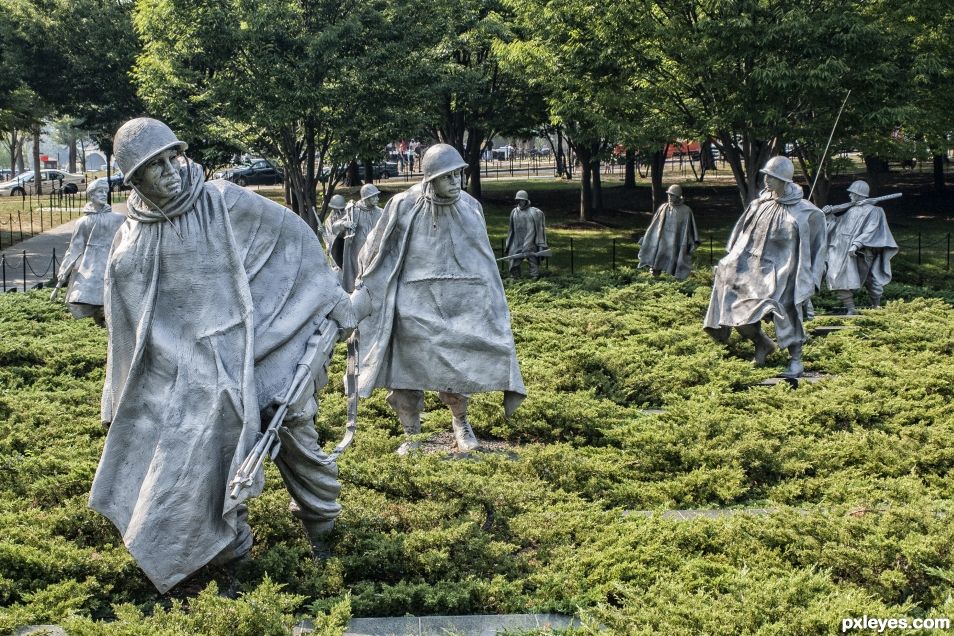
(469, 625)
(40, 630)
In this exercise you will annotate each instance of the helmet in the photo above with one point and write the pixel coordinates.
(675, 189)
(521, 196)
(97, 184)
(860, 188)
(368, 190)
(337, 202)
(139, 140)
(440, 159)
(780, 168)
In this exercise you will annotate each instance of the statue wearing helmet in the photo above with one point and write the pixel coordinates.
(773, 265)
(350, 230)
(213, 295)
(84, 264)
(527, 235)
(439, 318)
(860, 249)
(670, 239)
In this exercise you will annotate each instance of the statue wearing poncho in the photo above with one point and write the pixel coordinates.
(774, 264)
(210, 299)
(440, 319)
(670, 239)
(84, 263)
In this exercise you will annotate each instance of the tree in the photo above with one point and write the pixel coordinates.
(570, 56)
(752, 76)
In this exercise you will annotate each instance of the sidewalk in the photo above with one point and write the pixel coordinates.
(40, 250)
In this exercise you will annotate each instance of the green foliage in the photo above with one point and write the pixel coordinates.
(858, 466)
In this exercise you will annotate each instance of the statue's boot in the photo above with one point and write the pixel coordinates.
(408, 406)
(847, 298)
(795, 367)
(875, 299)
(463, 433)
(764, 346)
(318, 532)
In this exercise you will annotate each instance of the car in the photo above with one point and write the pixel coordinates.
(55, 181)
(260, 172)
(116, 182)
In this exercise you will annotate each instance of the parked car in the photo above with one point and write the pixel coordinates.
(260, 172)
(53, 181)
(116, 182)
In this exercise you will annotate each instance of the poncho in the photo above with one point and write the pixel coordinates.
(85, 259)
(774, 264)
(670, 240)
(527, 233)
(347, 245)
(860, 227)
(440, 319)
(209, 313)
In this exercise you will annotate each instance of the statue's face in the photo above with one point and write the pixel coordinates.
(774, 184)
(447, 186)
(523, 204)
(97, 197)
(854, 198)
(372, 200)
(159, 179)
(674, 199)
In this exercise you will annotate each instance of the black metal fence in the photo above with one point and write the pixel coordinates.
(32, 273)
(25, 216)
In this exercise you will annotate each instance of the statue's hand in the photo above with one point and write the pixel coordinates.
(361, 303)
(343, 315)
(826, 209)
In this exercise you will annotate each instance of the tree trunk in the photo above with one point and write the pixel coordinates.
(37, 180)
(368, 171)
(72, 156)
(597, 187)
(875, 166)
(474, 186)
(561, 167)
(629, 180)
(586, 191)
(109, 191)
(82, 156)
(706, 157)
(19, 156)
(657, 165)
(939, 172)
(352, 178)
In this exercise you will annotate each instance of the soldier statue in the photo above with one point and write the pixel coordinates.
(527, 236)
(860, 248)
(774, 264)
(210, 312)
(670, 239)
(439, 319)
(84, 264)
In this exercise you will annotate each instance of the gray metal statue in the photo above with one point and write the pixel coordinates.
(527, 237)
(215, 323)
(774, 264)
(350, 231)
(440, 320)
(670, 239)
(336, 208)
(860, 247)
(84, 264)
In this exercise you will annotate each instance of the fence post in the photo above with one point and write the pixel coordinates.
(3, 264)
(919, 248)
(24, 270)
(54, 263)
(710, 249)
(614, 254)
(20, 222)
(572, 264)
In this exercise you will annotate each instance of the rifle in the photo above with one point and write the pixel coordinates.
(835, 209)
(318, 350)
(542, 254)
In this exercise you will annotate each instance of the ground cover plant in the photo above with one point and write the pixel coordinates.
(631, 407)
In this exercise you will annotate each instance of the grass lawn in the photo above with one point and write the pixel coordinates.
(857, 468)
